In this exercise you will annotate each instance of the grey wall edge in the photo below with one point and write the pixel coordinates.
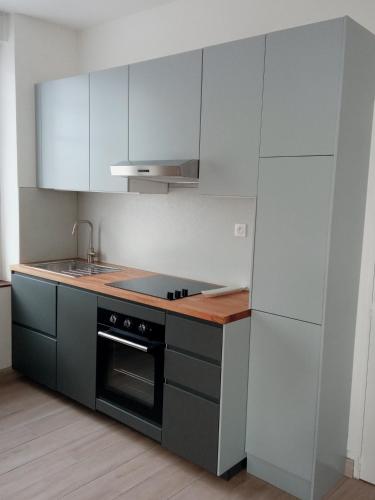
(233, 407)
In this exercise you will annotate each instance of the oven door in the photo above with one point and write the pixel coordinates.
(130, 373)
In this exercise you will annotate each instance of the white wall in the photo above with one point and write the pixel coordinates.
(46, 222)
(189, 24)
(3, 27)
(180, 233)
(9, 224)
(9, 213)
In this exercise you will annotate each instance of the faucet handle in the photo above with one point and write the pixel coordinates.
(91, 256)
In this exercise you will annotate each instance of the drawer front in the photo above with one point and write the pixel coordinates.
(193, 336)
(138, 311)
(34, 355)
(191, 427)
(34, 303)
(192, 373)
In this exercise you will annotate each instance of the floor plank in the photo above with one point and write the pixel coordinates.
(52, 449)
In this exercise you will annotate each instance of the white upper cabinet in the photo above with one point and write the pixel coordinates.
(63, 133)
(231, 115)
(302, 80)
(164, 108)
(108, 127)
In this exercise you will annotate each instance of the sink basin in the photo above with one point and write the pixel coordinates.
(74, 268)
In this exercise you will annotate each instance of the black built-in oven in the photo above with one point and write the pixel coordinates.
(130, 364)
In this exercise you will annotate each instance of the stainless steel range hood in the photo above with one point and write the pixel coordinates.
(172, 172)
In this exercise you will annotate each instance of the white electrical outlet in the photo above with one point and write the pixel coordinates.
(240, 230)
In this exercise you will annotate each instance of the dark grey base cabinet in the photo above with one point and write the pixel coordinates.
(204, 408)
(76, 344)
(34, 328)
(205, 369)
(34, 355)
(54, 336)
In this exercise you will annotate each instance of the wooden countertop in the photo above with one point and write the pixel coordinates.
(219, 310)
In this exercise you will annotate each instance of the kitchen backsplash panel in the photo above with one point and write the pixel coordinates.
(181, 233)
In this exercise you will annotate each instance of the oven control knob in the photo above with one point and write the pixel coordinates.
(142, 328)
(185, 292)
(113, 319)
(170, 295)
(127, 323)
(177, 294)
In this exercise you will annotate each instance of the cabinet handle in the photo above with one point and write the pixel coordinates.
(128, 343)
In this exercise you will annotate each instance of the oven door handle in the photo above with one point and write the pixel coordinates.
(128, 343)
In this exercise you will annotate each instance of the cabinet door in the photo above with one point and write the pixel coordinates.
(34, 303)
(108, 127)
(34, 355)
(282, 399)
(164, 107)
(63, 128)
(231, 114)
(302, 89)
(291, 240)
(76, 347)
(191, 427)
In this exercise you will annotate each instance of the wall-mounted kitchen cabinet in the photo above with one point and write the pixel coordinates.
(108, 127)
(231, 115)
(302, 81)
(63, 133)
(164, 107)
(291, 243)
(82, 129)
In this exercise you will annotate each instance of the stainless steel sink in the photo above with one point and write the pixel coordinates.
(74, 268)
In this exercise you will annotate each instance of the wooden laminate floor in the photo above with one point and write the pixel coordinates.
(51, 448)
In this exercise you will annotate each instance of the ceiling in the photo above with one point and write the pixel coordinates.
(78, 14)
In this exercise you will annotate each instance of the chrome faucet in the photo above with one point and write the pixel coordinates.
(91, 254)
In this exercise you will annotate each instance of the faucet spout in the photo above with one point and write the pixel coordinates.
(91, 254)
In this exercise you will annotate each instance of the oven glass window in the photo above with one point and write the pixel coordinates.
(132, 373)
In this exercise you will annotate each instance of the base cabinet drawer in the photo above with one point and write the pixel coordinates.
(199, 376)
(34, 303)
(194, 336)
(191, 427)
(34, 355)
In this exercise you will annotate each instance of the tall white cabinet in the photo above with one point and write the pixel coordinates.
(319, 86)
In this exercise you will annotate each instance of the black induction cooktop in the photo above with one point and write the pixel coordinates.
(164, 286)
